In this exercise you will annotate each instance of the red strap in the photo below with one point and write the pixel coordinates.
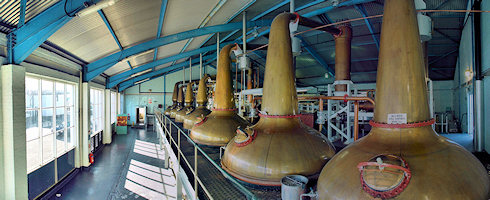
(408, 125)
(248, 141)
(297, 17)
(345, 98)
(389, 193)
(279, 116)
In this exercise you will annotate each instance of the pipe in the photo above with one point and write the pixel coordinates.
(343, 56)
(356, 120)
(478, 139)
(303, 21)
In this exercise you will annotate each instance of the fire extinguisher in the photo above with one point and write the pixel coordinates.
(91, 158)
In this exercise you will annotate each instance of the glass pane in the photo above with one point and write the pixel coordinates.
(60, 94)
(32, 93)
(47, 93)
(92, 95)
(34, 157)
(48, 147)
(60, 119)
(69, 116)
(69, 137)
(32, 125)
(70, 96)
(47, 119)
(60, 142)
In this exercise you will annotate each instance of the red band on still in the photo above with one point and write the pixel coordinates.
(279, 116)
(223, 109)
(409, 125)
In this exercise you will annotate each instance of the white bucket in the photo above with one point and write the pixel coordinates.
(293, 186)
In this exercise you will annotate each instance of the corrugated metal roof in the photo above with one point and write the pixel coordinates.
(10, 11)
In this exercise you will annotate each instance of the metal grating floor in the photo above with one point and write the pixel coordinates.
(218, 186)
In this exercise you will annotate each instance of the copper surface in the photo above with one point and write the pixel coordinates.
(281, 146)
(221, 124)
(188, 104)
(201, 110)
(180, 103)
(343, 56)
(440, 168)
(174, 99)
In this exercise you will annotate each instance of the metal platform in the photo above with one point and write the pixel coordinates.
(217, 182)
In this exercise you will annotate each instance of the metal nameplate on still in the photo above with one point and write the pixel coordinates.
(397, 118)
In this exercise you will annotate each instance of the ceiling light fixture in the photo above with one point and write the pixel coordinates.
(95, 7)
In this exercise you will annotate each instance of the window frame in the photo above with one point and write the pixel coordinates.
(53, 108)
(98, 110)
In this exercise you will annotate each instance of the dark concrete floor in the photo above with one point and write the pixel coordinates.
(112, 175)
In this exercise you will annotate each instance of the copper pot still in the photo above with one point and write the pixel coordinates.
(219, 127)
(201, 99)
(180, 103)
(174, 100)
(402, 157)
(188, 104)
(279, 144)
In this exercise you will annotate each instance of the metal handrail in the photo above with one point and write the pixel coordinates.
(233, 180)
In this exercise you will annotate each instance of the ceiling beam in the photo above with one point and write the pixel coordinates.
(163, 9)
(310, 14)
(22, 17)
(442, 57)
(111, 30)
(364, 14)
(158, 72)
(25, 39)
(161, 72)
(114, 80)
(99, 66)
(204, 22)
(316, 56)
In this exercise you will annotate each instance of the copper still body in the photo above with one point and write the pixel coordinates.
(174, 99)
(343, 55)
(201, 99)
(279, 144)
(402, 157)
(188, 104)
(180, 103)
(218, 128)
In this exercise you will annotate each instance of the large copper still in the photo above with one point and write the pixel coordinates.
(402, 157)
(180, 103)
(201, 99)
(174, 99)
(219, 127)
(279, 144)
(188, 104)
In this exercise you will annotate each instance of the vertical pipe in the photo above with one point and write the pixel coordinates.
(320, 108)
(291, 6)
(343, 56)
(190, 69)
(183, 74)
(244, 33)
(200, 65)
(478, 80)
(356, 120)
(217, 48)
(195, 172)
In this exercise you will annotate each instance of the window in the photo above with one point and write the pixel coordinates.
(50, 127)
(113, 107)
(96, 111)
